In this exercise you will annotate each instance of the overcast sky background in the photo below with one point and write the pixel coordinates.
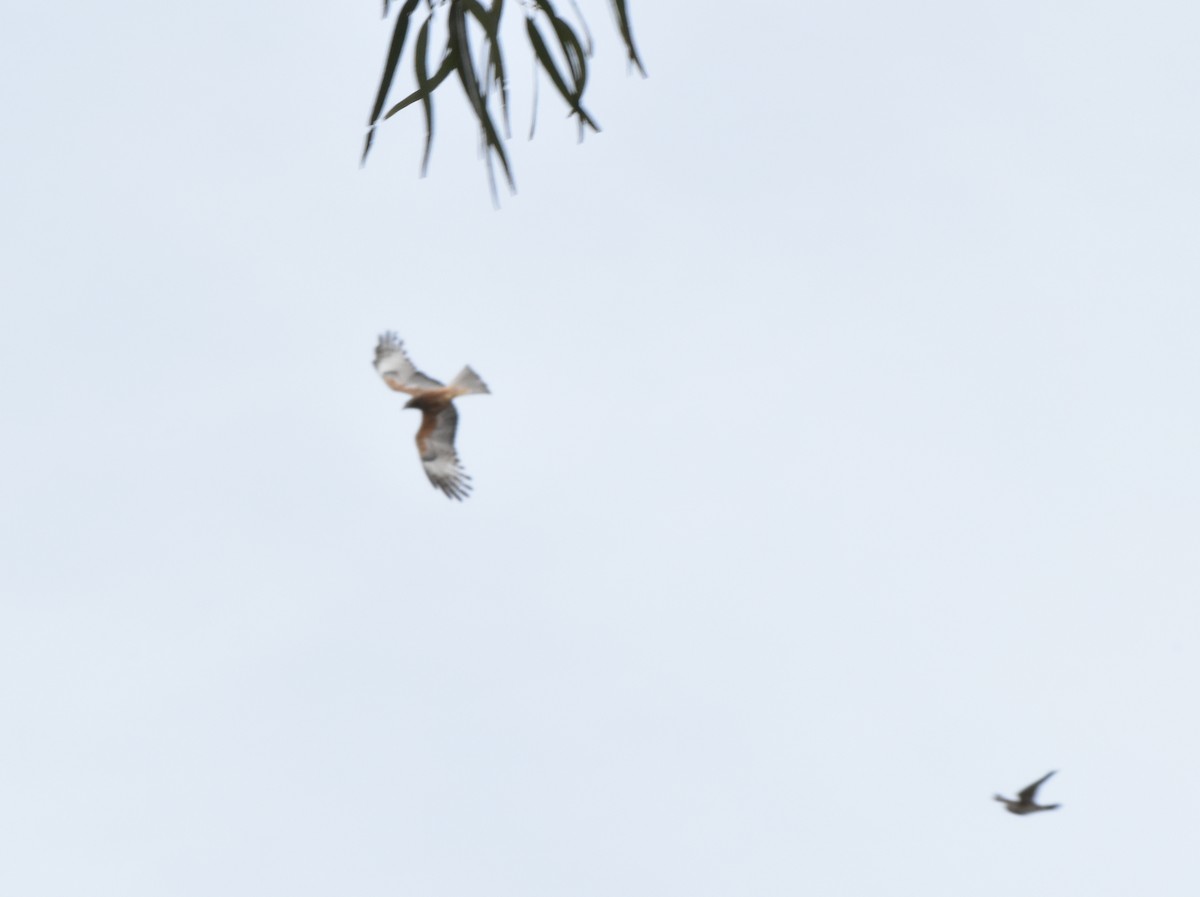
(840, 469)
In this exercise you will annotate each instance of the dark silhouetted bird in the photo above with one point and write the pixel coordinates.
(1024, 803)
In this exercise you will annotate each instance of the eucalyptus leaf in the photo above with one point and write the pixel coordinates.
(421, 73)
(556, 78)
(470, 82)
(389, 68)
(622, 14)
(449, 61)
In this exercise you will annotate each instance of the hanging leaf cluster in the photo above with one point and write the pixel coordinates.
(477, 62)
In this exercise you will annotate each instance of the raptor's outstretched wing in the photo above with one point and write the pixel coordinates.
(435, 442)
(397, 369)
(1026, 795)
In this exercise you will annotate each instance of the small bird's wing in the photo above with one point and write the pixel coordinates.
(397, 369)
(435, 442)
(1027, 794)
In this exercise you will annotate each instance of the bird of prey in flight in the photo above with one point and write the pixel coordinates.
(1025, 799)
(439, 420)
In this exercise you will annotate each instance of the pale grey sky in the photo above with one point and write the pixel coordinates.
(840, 468)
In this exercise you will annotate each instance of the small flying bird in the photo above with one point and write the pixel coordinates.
(439, 421)
(1024, 803)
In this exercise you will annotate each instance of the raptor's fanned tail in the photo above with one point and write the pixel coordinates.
(468, 382)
